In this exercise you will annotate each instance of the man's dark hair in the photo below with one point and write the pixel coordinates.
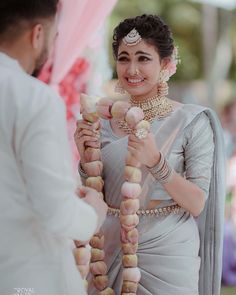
(16, 14)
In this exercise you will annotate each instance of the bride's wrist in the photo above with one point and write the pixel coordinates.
(81, 170)
(154, 161)
(162, 171)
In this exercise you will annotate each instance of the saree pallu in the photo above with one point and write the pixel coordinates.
(171, 257)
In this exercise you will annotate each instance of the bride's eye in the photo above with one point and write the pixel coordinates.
(143, 58)
(122, 59)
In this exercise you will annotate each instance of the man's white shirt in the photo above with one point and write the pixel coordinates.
(39, 211)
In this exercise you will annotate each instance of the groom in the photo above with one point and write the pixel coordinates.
(39, 211)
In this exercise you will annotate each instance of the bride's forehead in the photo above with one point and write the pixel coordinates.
(141, 46)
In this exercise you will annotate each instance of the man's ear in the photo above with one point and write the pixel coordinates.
(37, 37)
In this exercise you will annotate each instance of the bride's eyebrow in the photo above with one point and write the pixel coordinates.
(123, 53)
(142, 52)
(136, 53)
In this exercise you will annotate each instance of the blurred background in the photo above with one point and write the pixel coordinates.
(205, 33)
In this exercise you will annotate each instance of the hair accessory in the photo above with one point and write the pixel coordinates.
(167, 72)
(171, 67)
(132, 38)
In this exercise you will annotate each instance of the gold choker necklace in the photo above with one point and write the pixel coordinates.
(155, 107)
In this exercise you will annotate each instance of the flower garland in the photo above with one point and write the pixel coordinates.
(130, 191)
(93, 168)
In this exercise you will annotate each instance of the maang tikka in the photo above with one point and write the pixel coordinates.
(132, 38)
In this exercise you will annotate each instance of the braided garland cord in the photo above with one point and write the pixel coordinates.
(93, 168)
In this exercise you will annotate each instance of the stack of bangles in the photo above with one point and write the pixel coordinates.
(162, 171)
(82, 173)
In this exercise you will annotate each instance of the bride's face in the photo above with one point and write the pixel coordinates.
(138, 69)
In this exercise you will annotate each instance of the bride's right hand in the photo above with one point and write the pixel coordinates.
(86, 134)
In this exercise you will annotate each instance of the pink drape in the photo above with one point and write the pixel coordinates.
(78, 21)
(67, 72)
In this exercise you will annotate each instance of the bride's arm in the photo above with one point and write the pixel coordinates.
(189, 192)
(185, 193)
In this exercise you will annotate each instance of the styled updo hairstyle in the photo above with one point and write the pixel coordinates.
(152, 29)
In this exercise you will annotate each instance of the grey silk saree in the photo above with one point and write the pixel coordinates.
(177, 254)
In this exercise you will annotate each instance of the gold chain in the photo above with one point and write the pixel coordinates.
(155, 107)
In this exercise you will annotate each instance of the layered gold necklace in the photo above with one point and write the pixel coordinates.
(156, 107)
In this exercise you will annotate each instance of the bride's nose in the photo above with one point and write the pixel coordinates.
(133, 69)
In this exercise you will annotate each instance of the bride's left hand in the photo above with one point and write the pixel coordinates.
(144, 150)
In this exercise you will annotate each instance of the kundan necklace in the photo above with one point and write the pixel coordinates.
(156, 107)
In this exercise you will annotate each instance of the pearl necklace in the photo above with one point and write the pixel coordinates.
(155, 107)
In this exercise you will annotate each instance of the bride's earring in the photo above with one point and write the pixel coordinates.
(162, 86)
(164, 76)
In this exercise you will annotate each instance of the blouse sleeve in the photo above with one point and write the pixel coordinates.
(199, 150)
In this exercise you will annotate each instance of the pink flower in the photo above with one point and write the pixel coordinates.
(171, 68)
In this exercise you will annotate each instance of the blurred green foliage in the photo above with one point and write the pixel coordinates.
(228, 291)
(185, 20)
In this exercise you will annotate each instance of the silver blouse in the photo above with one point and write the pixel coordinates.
(191, 156)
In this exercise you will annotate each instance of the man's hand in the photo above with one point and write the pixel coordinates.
(94, 199)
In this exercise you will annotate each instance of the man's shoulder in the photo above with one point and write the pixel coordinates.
(29, 97)
(31, 90)
(38, 87)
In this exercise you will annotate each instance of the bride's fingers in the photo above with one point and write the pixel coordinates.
(81, 124)
(83, 132)
(86, 138)
(93, 144)
(133, 138)
(132, 150)
(134, 145)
